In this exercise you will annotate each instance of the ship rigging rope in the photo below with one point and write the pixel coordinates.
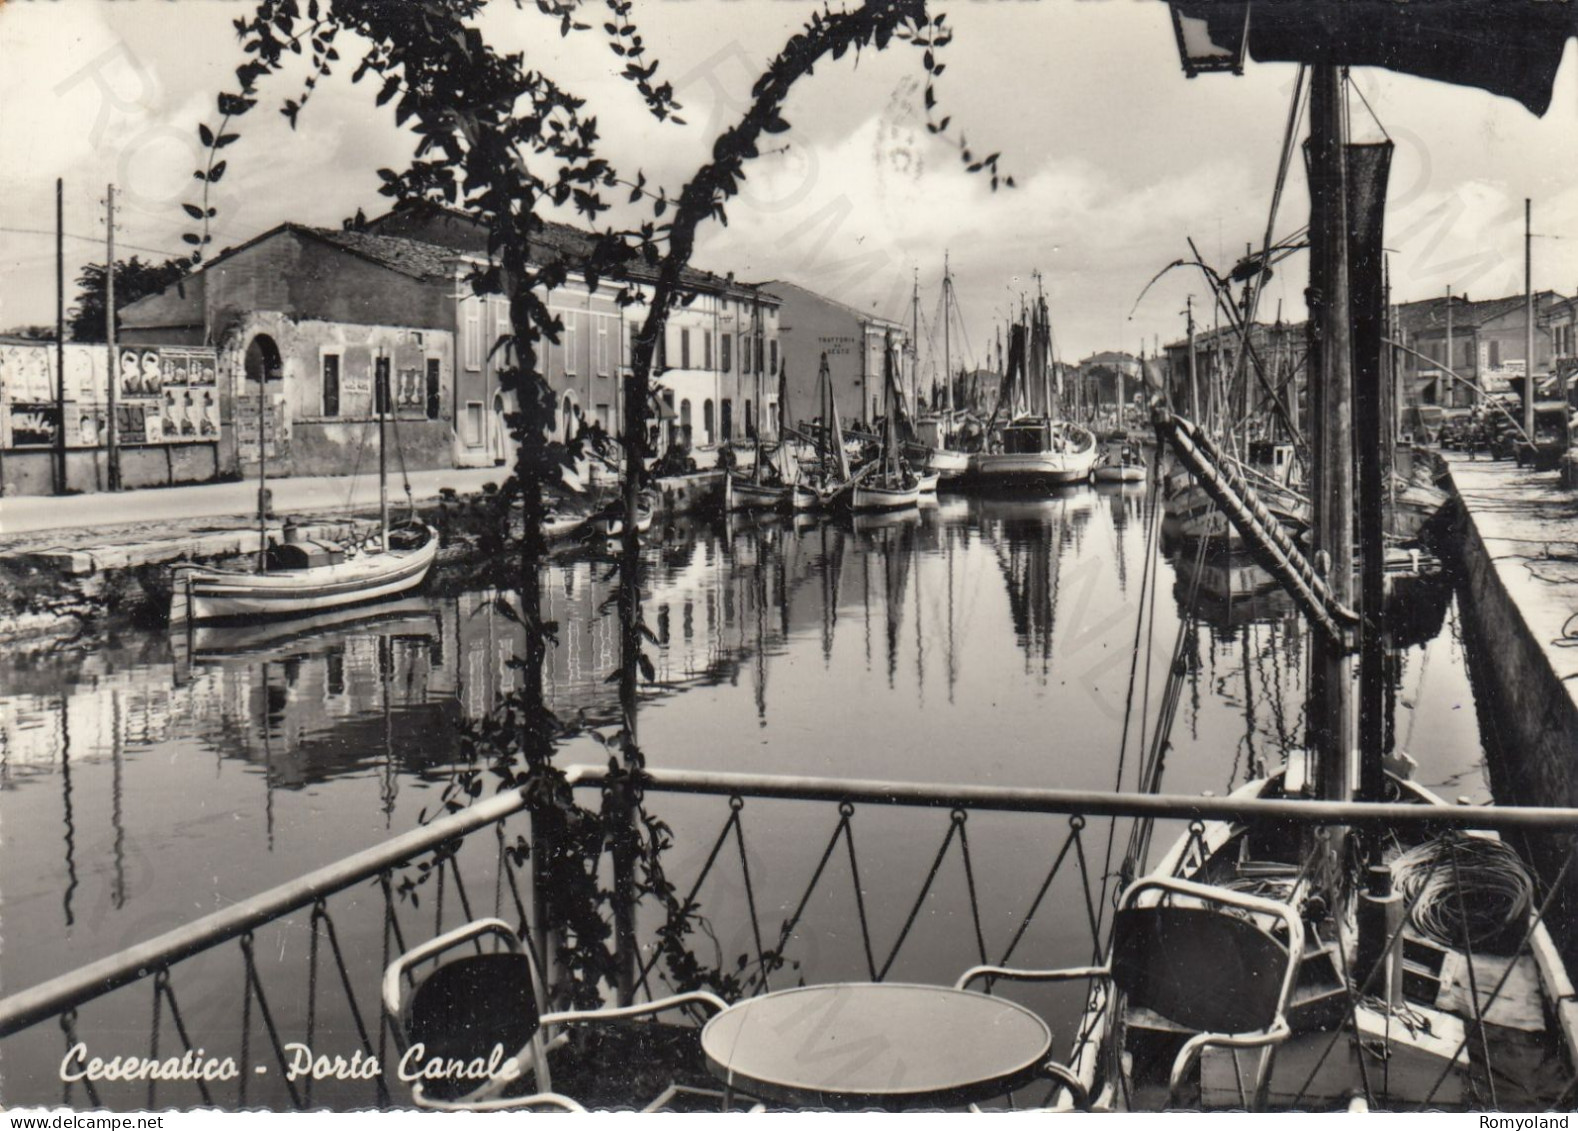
(1147, 581)
(1495, 888)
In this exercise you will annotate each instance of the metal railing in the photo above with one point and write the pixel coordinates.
(986, 922)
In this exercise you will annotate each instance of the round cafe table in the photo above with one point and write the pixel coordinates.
(886, 1044)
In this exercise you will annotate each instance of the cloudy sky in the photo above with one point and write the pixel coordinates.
(1118, 158)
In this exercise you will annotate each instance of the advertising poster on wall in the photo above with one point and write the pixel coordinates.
(34, 425)
(175, 392)
(276, 431)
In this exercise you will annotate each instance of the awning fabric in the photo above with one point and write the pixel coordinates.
(1508, 47)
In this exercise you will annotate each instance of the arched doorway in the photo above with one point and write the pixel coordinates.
(259, 412)
(569, 418)
(263, 360)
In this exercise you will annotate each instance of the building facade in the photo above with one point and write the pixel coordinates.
(854, 343)
(305, 321)
(1280, 348)
(715, 371)
(1483, 345)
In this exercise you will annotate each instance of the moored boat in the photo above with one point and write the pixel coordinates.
(1121, 461)
(301, 576)
(1231, 911)
(744, 493)
(305, 577)
(1038, 452)
(884, 494)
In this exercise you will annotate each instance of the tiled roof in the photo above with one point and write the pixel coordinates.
(556, 240)
(1429, 315)
(407, 257)
(777, 286)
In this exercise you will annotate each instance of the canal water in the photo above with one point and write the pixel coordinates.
(144, 783)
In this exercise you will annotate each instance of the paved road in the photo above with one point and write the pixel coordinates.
(25, 515)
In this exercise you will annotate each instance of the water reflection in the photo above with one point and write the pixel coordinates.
(978, 639)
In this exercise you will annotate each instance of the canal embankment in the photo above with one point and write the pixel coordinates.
(65, 561)
(1516, 538)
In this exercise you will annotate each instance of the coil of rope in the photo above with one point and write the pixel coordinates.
(1466, 888)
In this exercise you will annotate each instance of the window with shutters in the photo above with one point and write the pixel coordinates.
(472, 337)
(331, 384)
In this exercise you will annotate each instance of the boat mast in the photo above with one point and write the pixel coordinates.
(1331, 717)
(1528, 316)
(1194, 377)
(381, 395)
(947, 351)
(1117, 408)
(262, 461)
(915, 337)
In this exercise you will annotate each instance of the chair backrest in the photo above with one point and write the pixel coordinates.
(468, 1005)
(1199, 967)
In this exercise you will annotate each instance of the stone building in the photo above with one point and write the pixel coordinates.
(853, 341)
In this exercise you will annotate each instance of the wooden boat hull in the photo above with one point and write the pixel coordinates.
(926, 482)
(203, 594)
(1032, 469)
(746, 494)
(811, 497)
(944, 462)
(1424, 1062)
(613, 525)
(867, 497)
(1120, 473)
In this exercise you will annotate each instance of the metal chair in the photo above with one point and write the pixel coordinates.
(479, 1016)
(1205, 965)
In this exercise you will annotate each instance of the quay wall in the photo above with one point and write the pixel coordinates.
(1518, 569)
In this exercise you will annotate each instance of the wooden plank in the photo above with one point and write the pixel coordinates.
(1519, 1005)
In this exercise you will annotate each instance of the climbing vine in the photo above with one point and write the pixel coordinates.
(502, 141)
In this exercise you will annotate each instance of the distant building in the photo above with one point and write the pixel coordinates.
(1100, 372)
(311, 315)
(720, 348)
(853, 341)
(314, 312)
(1561, 322)
(1280, 348)
(1483, 343)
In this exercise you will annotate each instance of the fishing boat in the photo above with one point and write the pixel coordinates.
(826, 480)
(609, 522)
(749, 492)
(301, 576)
(888, 482)
(1121, 461)
(1229, 900)
(885, 494)
(1037, 452)
(1274, 964)
(767, 487)
(1033, 449)
(932, 447)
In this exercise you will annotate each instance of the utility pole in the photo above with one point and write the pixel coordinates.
(60, 336)
(109, 336)
(1528, 302)
(1450, 367)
